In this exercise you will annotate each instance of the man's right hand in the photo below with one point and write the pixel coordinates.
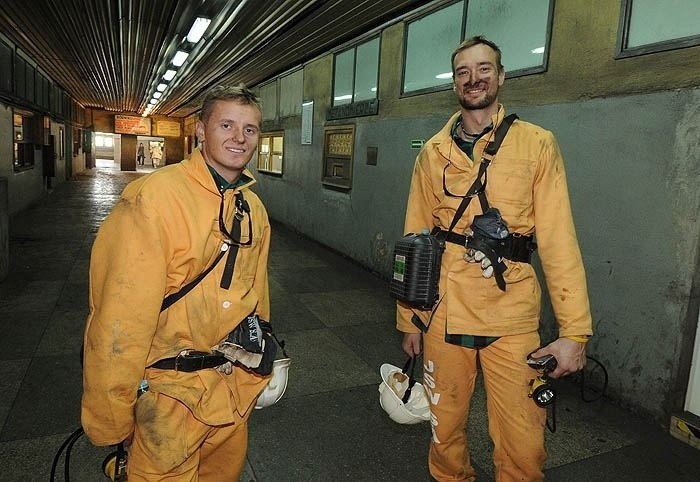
(412, 344)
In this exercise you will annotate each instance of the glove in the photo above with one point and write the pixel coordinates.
(474, 256)
(250, 345)
(226, 368)
(248, 335)
(245, 344)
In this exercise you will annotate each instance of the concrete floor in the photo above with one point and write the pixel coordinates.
(338, 323)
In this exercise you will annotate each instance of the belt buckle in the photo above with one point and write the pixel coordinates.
(468, 234)
(190, 356)
(179, 356)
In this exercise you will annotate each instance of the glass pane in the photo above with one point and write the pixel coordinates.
(366, 69)
(518, 28)
(291, 90)
(342, 79)
(5, 67)
(268, 99)
(278, 145)
(277, 163)
(653, 21)
(429, 44)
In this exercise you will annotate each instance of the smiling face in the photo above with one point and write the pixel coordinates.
(477, 77)
(229, 136)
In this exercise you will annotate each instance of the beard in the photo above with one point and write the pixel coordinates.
(488, 99)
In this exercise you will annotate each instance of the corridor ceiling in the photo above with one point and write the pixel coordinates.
(111, 54)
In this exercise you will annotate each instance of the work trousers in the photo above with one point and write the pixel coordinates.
(169, 444)
(516, 423)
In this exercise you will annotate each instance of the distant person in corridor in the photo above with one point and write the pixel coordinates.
(190, 423)
(475, 321)
(140, 154)
(156, 155)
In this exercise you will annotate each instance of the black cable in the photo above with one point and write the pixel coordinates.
(69, 449)
(70, 440)
(553, 427)
(583, 381)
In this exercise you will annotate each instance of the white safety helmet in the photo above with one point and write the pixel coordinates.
(391, 391)
(275, 388)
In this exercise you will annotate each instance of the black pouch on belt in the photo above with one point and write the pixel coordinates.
(489, 231)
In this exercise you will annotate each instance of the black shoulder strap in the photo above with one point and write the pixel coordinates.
(241, 207)
(478, 188)
(493, 146)
(174, 297)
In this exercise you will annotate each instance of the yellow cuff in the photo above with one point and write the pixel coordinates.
(580, 339)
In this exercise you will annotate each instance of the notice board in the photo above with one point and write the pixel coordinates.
(130, 124)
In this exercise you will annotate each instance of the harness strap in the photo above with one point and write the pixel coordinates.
(174, 297)
(478, 187)
(241, 208)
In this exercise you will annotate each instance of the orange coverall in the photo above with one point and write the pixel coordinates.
(161, 234)
(527, 183)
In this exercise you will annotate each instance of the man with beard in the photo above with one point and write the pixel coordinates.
(477, 321)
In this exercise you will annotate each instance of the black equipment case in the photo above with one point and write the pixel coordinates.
(416, 273)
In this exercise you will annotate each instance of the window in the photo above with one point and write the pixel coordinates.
(104, 141)
(24, 133)
(6, 61)
(337, 156)
(61, 143)
(356, 73)
(291, 92)
(648, 26)
(271, 152)
(520, 29)
(429, 42)
(268, 99)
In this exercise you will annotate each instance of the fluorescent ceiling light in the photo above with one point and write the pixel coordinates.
(343, 97)
(152, 101)
(444, 75)
(156, 95)
(373, 89)
(538, 50)
(180, 58)
(161, 87)
(198, 27)
(169, 74)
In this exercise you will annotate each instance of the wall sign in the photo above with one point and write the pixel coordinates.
(129, 124)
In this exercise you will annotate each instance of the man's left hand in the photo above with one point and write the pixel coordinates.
(570, 355)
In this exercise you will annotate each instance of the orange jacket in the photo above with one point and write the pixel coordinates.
(161, 234)
(527, 183)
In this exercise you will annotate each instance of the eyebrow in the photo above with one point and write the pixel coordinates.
(232, 121)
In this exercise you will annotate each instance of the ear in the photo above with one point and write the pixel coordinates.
(199, 130)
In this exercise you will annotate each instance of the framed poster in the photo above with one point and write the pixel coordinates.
(130, 124)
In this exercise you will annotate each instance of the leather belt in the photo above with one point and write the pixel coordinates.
(190, 361)
(515, 247)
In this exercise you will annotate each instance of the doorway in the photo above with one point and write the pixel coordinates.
(105, 148)
(153, 153)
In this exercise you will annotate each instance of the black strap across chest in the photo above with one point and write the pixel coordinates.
(242, 208)
(478, 188)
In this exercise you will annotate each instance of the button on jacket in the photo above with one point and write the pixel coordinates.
(527, 183)
(161, 234)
